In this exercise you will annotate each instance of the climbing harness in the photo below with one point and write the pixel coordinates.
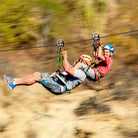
(60, 44)
(96, 39)
(87, 68)
(56, 74)
(96, 43)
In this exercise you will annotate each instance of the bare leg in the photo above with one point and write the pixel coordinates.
(29, 79)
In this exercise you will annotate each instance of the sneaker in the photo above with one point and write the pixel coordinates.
(9, 81)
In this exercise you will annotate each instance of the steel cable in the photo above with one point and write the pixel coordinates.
(79, 41)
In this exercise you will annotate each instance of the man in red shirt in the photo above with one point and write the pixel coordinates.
(103, 54)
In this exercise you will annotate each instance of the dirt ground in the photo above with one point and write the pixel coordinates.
(33, 112)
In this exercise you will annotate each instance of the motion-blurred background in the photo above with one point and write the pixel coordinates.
(29, 31)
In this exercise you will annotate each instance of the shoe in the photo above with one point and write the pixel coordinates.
(9, 81)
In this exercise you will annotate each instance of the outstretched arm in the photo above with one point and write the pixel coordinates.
(100, 53)
(66, 65)
(95, 53)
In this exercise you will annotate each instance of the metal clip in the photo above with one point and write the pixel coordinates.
(60, 44)
(96, 39)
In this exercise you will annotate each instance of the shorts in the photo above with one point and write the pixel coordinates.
(91, 74)
(51, 84)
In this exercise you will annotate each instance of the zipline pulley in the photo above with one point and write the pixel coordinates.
(60, 44)
(96, 39)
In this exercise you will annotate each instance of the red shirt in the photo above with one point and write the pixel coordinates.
(104, 66)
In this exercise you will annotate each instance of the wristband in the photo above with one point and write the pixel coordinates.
(96, 57)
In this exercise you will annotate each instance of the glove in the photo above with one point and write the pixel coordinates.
(64, 54)
(99, 44)
(102, 45)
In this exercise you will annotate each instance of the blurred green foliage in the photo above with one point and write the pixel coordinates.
(124, 20)
(26, 22)
(14, 22)
(94, 14)
(21, 21)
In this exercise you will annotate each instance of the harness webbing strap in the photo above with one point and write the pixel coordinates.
(98, 73)
(53, 74)
(87, 68)
(59, 60)
(61, 79)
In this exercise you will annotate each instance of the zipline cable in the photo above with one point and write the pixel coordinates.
(103, 36)
(84, 40)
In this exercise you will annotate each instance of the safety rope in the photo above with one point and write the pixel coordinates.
(5, 50)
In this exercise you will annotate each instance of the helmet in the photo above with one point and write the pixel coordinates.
(112, 49)
(87, 59)
(109, 47)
